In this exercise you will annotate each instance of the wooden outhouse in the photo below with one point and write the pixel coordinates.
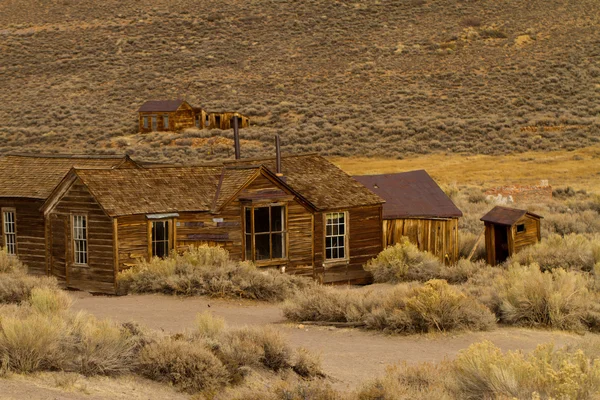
(507, 231)
(26, 181)
(417, 208)
(224, 120)
(169, 115)
(310, 218)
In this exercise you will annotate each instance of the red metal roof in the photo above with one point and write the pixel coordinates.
(506, 216)
(161, 105)
(411, 194)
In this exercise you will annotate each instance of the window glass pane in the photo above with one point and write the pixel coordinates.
(248, 221)
(261, 219)
(278, 245)
(335, 236)
(248, 247)
(160, 238)
(146, 122)
(262, 247)
(277, 218)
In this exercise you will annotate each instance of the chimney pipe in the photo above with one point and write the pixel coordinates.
(278, 151)
(236, 137)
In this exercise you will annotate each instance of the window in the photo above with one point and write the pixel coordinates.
(9, 229)
(520, 228)
(198, 121)
(166, 122)
(154, 123)
(335, 236)
(145, 122)
(207, 122)
(218, 121)
(160, 238)
(265, 232)
(80, 239)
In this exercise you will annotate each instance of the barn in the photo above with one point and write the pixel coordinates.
(507, 231)
(26, 182)
(416, 207)
(169, 115)
(307, 217)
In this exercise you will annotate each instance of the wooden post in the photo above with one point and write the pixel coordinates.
(476, 244)
(116, 250)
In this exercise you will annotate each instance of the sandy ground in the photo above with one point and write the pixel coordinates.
(350, 356)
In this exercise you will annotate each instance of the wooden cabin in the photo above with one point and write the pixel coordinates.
(224, 120)
(26, 182)
(312, 220)
(169, 115)
(507, 231)
(416, 207)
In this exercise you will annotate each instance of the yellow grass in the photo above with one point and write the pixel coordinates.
(579, 169)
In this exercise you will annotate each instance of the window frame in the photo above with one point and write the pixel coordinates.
(270, 233)
(86, 240)
(145, 122)
(3, 229)
(169, 240)
(154, 123)
(165, 121)
(517, 228)
(346, 236)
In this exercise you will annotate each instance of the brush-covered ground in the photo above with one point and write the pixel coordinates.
(372, 78)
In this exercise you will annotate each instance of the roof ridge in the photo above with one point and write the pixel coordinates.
(68, 155)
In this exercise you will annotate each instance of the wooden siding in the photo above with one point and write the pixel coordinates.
(437, 236)
(98, 275)
(132, 245)
(516, 241)
(30, 233)
(364, 243)
(222, 120)
(183, 118)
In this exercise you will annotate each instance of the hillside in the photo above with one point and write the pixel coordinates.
(383, 78)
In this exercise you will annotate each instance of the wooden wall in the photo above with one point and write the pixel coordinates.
(30, 233)
(364, 243)
(437, 236)
(98, 275)
(516, 241)
(225, 120)
(183, 118)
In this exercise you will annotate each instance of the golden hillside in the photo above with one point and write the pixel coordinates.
(367, 78)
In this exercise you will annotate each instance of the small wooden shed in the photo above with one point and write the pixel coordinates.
(169, 115)
(310, 219)
(224, 120)
(507, 231)
(416, 207)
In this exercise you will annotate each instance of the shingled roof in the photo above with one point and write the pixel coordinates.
(161, 105)
(35, 176)
(411, 194)
(320, 182)
(506, 216)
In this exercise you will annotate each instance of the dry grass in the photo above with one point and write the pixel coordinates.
(208, 271)
(9, 263)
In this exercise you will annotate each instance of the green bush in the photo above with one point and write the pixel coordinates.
(207, 270)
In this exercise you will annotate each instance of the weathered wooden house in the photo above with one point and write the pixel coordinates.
(26, 181)
(507, 231)
(224, 120)
(309, 218)
(169, 115)
(416, 207)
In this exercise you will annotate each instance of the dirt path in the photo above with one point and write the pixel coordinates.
(349, 356)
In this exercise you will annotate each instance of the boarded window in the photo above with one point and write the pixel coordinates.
(145, 122)
(335, 236)
(265, 232)
(520, 228)
(9, 230)
(166, 122)
(154, 123)
(218, 121)
(160, 238)
(80, 239)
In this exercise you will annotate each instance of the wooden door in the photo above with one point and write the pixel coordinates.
(501, 243)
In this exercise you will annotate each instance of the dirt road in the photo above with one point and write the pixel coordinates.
(349, 356)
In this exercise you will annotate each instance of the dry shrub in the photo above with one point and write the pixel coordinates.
(17, 287)
(10, 263)
(574, 251)
(209, 326)
(187, 365)
(207, 270)
(483, 372)
(99, 347)
(524, 295)
(288, 389)
(466, 241)
(47, 300)
(32, 343)
(307, 364)
(404, 262)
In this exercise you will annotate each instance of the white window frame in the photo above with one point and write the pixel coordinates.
(344, 237)
(9, 230)
(80, 238)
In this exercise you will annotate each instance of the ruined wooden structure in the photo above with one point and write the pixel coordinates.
(303, 215)
(25, 183)
(176, 115)
(417, 208)
(507, 231)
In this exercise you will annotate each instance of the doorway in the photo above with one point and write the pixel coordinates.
(501, 243)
